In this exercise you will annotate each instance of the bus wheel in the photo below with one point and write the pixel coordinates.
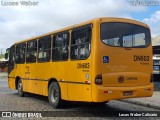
(54, 95)
(20, 88)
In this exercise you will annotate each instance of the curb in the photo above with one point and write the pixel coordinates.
(141, 104)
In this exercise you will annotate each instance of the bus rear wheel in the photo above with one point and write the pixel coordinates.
(20, 88)
(54, 95)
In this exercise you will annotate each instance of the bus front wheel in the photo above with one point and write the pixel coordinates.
(54, 95)
(20, 88)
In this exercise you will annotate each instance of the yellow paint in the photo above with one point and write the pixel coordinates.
(36, 81)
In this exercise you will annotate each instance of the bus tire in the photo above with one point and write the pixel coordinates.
(54, 95)
(20, 88)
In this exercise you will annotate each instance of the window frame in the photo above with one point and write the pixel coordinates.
(68, 45)
(121, 42)
(20, 53)
(43, 39)
(31, 52)
(11, 67)
(90, 40)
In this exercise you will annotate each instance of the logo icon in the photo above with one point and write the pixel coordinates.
(105, 59)
(6, 114)
(121, 79)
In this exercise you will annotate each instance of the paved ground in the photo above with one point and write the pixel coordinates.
(3, 74)
(152, 102)
(157, 86)
(10, 101)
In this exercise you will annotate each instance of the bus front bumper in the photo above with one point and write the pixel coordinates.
(103, 94)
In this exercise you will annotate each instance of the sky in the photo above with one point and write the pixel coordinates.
(18, 22)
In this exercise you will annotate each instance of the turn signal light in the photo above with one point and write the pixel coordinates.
(98, 79)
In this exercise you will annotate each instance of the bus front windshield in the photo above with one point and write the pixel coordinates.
(125, 35)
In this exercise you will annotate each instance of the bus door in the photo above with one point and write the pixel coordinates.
(11, 68)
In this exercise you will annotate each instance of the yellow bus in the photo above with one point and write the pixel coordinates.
(96, 61)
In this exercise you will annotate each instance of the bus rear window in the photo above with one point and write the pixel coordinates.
(125, 34)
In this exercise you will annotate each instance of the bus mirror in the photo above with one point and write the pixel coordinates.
(6, 56)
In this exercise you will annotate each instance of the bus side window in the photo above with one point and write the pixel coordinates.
(20, 53)
(60, 46)
(11, 59)
(80, 43)
(31, 51)
(44, 49)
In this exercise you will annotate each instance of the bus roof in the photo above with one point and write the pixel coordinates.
(104, 19)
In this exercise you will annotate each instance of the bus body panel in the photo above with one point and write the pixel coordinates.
(122, 62)
(58, 70)
(64, 90)
(11, 83)
(79, 87)
(112, 93)
(40, 77)
(134, 64)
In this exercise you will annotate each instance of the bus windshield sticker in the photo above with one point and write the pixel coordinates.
(105, 59)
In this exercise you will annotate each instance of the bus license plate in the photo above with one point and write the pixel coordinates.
(127, 93)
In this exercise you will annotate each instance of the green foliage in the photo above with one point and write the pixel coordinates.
(2, 56)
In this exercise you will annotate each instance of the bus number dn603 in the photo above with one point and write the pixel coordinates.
(83, 65)
(141, 58)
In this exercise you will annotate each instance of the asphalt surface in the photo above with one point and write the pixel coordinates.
(10, 101)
